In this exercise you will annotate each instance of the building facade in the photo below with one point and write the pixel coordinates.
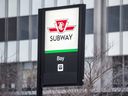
(106, 28)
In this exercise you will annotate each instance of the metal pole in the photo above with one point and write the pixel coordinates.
(40, 66)
(39, 85)
(39, 78)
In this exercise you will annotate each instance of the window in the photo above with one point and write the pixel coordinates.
(9, 75)
(113, 19)
(34, 27)
(89, 21)
(29, 76)
(24, 28)
(12, 28)
(2, 30)
(125, 18)
(120, 71)
(126, 71)
(117, 71)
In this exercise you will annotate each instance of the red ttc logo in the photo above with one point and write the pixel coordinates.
(61, 26)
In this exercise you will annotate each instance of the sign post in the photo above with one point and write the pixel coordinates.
(61, 46)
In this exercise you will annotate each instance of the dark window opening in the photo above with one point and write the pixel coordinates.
(8, 76)
(2, 30)
(117, 71)
(24, 28)
(113, 19)
(126, 71)
(12, 28)
(89, 21)
(125, 18)
(34, 27)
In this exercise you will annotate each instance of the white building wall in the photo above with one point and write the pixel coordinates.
(24, 7)
(49, 3)
(125, 43)
(113, 43)
(34, 49)
(62, 2)
(2, 8)
(24, 51)
(113, 2)
(125, 2)
(89, 3)
(36, 4)
(11, 51)
(2, 44)
(89, 46)
(12, 8)
(74, 2)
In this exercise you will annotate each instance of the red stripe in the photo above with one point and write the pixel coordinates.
(70, 28)
(52, 29)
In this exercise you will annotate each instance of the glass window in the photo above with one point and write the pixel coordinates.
(113, 19)
(34, 27)
(11, 51)
(12, 28)
(89, 21)
(36, 4)
(125, 18)
(124, 93)
(29, 77)
(24, 7)
(28, 66)
(35, 65)
(126, 71)
(24, 52)
(12, 8)
(2, 30)
(61, 2)
(49, 3)
(24, 28)
(117, 71)
(9, 75)
(2, 8)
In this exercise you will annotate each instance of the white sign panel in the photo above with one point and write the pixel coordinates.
(61, 30)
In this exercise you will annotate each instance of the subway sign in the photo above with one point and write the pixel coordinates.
(61, 45)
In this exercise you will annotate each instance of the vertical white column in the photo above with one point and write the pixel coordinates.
(99, 34)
